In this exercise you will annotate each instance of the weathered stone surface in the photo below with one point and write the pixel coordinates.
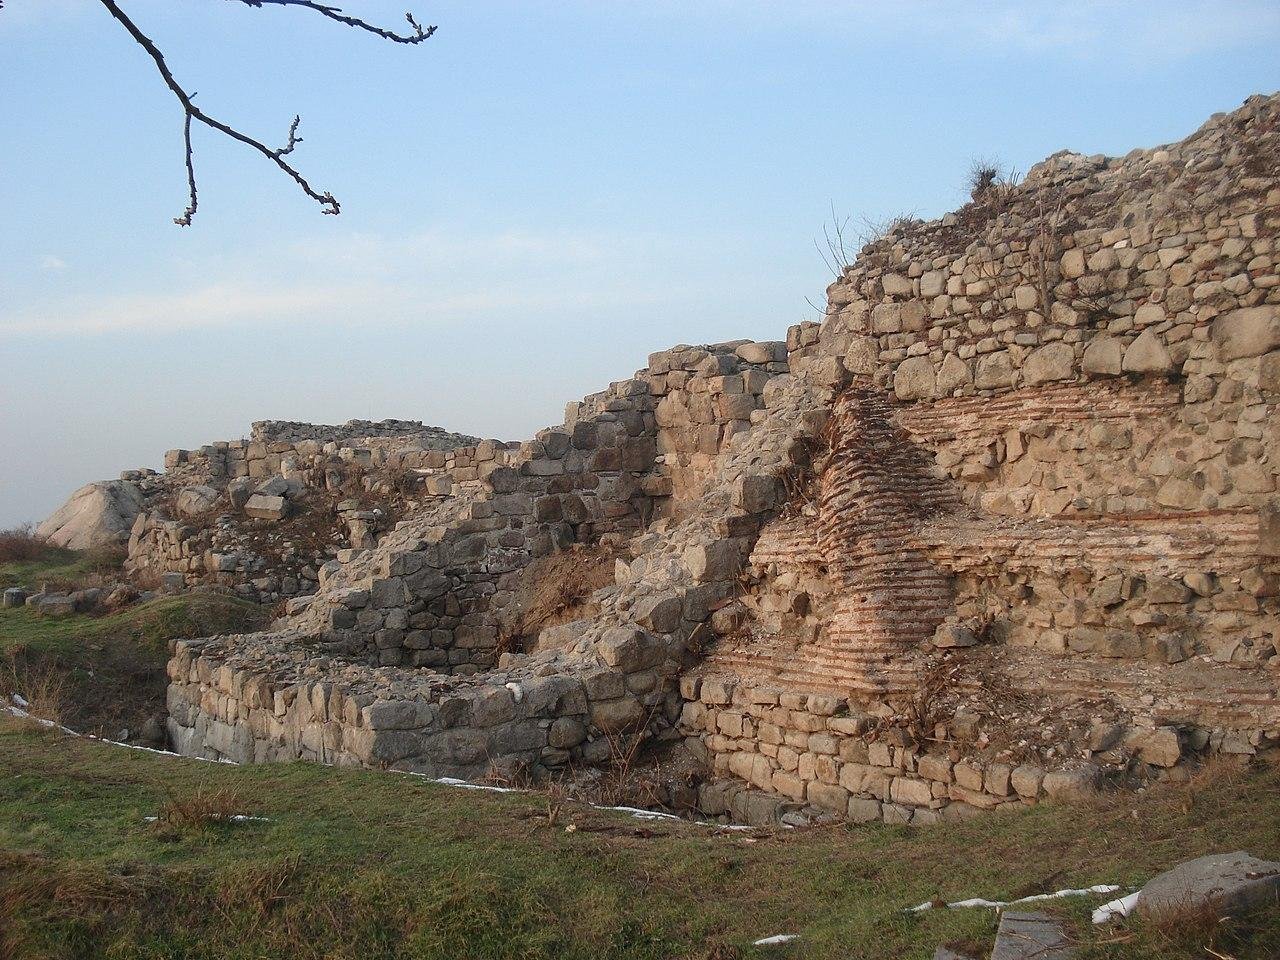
(717, 560)
(628, 649)
(1247, 332)
(262, 507)
(1054, 361)
(914, 379)
(1232, 882)
(97, 514)
(1030, 936)
(1147, 354)
(995, 370)
(952, 633)
(1103, 357)
(197, 500)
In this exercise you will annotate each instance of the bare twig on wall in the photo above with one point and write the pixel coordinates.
(276, 155)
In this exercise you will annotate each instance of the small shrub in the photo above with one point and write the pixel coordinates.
(21, 545)
(983, 177)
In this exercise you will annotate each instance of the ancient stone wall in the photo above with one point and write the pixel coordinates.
(255, 697)
(290, 431)
(438, 591)
(1050, 480)
(1003, 526)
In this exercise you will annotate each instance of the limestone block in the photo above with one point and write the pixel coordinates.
(1233, 883)
(262, 507)
(717, 560)
(1147, 354)
(896, 285)
(914, 379)
(1030, 936)
(659, 613)
(1054, 361)
(1072, 264)
(952, 633)
(1247, 332)
(628, 649)
(1071, 784)
(194, 501)
(97, 514)
(757, 493)
(1180, 494)
(764, 352)
(863, 810)
(830, 796)
(953, 375)
(911, 792)
(1159, 747)
(1103, 357)
(1026, 780)
(994, 371)
(862, 356)
(615, 716)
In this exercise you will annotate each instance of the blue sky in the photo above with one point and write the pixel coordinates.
(533, 201)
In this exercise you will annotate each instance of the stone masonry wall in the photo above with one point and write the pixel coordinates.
(1052, 468)
(307, 693)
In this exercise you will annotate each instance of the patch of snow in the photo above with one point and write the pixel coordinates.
(776, 940)
(1115, 908)
(997, 904)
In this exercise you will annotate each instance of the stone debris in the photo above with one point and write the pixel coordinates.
(1030, 936)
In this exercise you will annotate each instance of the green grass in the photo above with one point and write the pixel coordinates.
(57, 566)
(373, 865)
(147, 626)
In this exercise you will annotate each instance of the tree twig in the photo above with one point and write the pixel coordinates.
(277, 155)
(418, 35)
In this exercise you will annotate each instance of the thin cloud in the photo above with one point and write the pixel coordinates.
(52, 263)
(363, 279)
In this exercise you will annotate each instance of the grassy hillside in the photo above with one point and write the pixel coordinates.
(362, 864)
(102, 674)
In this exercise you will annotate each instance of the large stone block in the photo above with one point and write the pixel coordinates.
(716, 560)
(262, 507)
(994, 371)
(1147, 354)
(1247, 332)
(914, 379)
(1232, 883)
(1103, 357)
(1054, 361)
(628, 649)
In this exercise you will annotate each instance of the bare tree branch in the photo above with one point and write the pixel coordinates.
(419, 34)
(192, 112)
(190, 212)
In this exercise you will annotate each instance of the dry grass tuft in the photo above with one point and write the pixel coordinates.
(1194, 927)
(44, 688)
(556, 589)
(260, 888)
(199, 811)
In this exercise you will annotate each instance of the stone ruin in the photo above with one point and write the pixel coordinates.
(1004, 525)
